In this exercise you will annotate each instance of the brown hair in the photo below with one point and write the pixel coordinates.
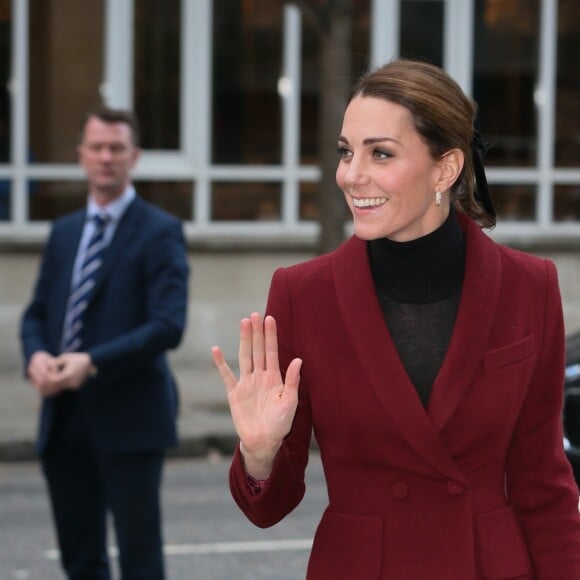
(111, 116)
(442, 114)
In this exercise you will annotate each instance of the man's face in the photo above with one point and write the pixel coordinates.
(108, 155)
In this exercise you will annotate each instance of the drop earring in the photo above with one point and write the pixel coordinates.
(438, 198)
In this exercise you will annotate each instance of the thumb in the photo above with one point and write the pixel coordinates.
(293, 374)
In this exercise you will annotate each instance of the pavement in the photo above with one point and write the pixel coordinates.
(204, 421)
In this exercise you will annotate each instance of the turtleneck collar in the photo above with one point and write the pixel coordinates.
(420, 271)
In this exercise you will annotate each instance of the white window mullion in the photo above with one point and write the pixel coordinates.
(458, 42)
(19, 104)
(385, 31)
(117, 87)
(289, 90)
(545, 97)
(198, 86)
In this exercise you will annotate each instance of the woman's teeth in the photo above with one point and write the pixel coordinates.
(369, 201)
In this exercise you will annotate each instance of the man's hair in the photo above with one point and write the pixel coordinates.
(110, 116)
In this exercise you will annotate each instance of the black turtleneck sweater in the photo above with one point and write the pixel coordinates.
(419, 285)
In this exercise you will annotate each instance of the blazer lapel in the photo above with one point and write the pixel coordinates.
(372, 344)
(67, 251)
(473, 324)
(127, 228)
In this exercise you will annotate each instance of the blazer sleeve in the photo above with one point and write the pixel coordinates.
(539, 481)
(286, 486)
(166, 276)
(33, 327)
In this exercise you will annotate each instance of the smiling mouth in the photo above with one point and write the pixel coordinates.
(369, 202)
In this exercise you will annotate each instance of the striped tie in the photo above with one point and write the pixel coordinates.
(81, 290)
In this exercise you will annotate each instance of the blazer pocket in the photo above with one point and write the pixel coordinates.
(346, 547)
(503, 551)
(510, 354)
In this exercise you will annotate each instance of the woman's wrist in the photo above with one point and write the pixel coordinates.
(258, 464)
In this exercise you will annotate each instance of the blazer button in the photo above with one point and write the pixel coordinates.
(399, 490)
(454, 487)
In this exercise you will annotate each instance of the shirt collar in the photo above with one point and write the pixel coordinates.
(114, 209)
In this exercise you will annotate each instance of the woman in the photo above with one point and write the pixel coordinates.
(427, 359)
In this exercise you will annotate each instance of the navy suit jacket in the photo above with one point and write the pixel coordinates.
(136, 313)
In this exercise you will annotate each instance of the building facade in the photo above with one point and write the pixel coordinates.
(227, 94)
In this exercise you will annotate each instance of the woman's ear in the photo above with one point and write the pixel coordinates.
(450, 167)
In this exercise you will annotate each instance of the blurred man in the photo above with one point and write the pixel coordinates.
(110, 300)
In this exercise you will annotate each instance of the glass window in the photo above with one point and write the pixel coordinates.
(5, 199)
(422, 30)
(5, 74)
(157, 72)
(360, 38)
(567, 202)
(66, 70)
(172, 196)
(5, 116)
(66, 58)
(246, 201)
(568, 86)
(505, 71)
(308, 209)
(514, 202)
(247, 56)
(48, 200)
(309, 99)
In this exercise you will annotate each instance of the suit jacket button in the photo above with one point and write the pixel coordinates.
(399, 490)
(454, 487)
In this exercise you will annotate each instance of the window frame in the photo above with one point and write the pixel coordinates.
(192, 161)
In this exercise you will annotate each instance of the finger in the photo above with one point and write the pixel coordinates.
(292, 379)
(271, 344)
(245, 350)
(47, 384)
(33, 376)
(56, 373)
(57, 381)
(37, 376)
(224, 370)
(258, 356)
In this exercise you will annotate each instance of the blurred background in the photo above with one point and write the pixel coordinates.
(240, 104)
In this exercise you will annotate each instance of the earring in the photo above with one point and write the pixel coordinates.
(438, 198)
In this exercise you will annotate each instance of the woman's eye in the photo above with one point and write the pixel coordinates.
(380, 154)
(343, 152)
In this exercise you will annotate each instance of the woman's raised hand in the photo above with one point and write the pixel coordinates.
(261, 403)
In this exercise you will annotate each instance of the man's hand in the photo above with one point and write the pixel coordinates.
(41, 372)
(72, 369)
(50, 375)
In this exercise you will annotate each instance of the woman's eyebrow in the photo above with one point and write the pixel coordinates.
(371, 140)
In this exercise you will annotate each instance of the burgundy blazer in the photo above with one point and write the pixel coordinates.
(475, 487)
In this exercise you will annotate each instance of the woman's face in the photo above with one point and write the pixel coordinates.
(387, 174)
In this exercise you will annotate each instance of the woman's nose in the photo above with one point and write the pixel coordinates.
(355, 174)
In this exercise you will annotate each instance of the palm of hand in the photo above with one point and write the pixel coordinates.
(262, 404)
(262, 410)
